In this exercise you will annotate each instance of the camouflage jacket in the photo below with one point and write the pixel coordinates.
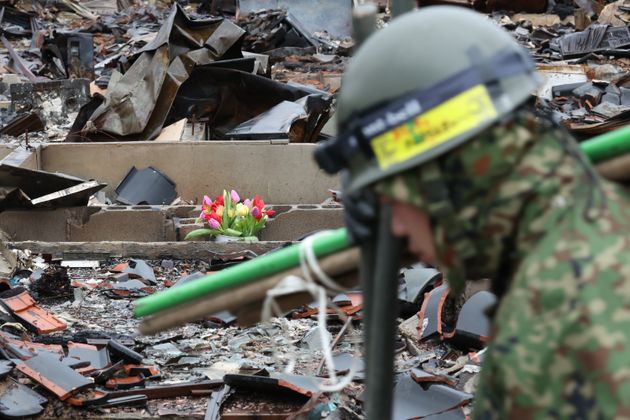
(555, 240)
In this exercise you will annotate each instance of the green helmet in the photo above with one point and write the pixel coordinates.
(431, 80)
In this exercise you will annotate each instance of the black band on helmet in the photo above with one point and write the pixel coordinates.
(356, 136)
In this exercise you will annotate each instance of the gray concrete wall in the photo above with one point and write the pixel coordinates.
(280, 173)
(22, 157)
(150, 224)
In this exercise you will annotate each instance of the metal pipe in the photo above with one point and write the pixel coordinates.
(608, 145)
(258, 268)
(366, 272)
(382, 321)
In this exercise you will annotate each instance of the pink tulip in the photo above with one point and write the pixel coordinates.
(213, 224)
(234, 196)
(248, 203)
(207, 201)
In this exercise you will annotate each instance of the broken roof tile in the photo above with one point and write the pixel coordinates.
(98, 359)
(412, 400)
(47, 370)
(473, 325)
(418, 279)
(22, 305)
(19, 401)
(430, 314)
(304, 385)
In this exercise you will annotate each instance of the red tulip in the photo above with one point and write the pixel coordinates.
(256, 213)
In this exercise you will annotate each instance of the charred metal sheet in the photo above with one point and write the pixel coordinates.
(74, 196)
(121, 352)
(411, 400)
(28, 123)
(246, 64)
(430, 315)
(213, 412)
(74, 135)
(98, 359)
(331, 16)
(228, 97)
(277, 123)
(146, 186)
(140, 100)
(595, 38)
(24, 308)
(19, 401)
(47, 370)
(473, 325)
(34, 185)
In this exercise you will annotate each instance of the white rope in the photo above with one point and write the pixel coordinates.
(294, 284)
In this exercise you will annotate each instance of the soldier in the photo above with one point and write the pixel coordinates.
(434, 119)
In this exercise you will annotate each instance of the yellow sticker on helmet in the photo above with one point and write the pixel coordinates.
(450, 119)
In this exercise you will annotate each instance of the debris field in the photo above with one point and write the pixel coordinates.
(121, 124)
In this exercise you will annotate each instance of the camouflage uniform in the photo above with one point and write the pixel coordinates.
(520, 205)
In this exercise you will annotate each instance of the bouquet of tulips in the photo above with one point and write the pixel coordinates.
(228, 215)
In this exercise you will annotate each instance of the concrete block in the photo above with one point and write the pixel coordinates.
(41, 225)
(135, 225)
(297, 222)
(184, 226)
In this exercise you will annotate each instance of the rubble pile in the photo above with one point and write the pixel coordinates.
(582, 51)
(118, 71)
(82, 355)
(145, 73)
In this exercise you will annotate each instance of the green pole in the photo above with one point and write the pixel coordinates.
(605, 146)
(263, 266)
(608, 145)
